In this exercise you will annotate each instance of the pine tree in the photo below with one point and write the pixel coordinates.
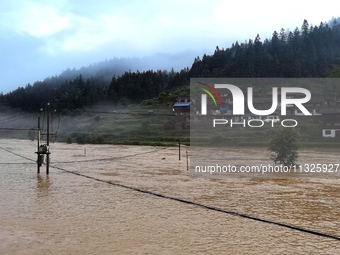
(283, 36)
(305, 28)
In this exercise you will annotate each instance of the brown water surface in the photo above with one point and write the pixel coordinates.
(64, 213)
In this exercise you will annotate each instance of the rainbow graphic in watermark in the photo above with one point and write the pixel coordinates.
(209, 90)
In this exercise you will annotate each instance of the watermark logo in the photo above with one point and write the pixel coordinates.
(231, 119)
(238, 99)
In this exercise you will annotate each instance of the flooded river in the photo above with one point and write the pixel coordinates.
(91, 203)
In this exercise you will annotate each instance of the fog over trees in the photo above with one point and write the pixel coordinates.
(307, 51)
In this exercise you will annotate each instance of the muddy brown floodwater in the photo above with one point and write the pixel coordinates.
(65, 213)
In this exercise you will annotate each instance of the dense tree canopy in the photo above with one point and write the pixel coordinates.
(307, 52)
(131, 87)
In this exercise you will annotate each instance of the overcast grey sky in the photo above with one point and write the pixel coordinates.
(39, 38)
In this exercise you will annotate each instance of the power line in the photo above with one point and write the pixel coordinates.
(106, 159)
(17, 163)
(58, 126)
(134, 113)
(14, 118)
(16, 154)
(16, 129)
(310, 231)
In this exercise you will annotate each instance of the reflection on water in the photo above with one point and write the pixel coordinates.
(68, 214)
(43, 185)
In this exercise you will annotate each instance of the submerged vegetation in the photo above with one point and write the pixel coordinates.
(284, 146)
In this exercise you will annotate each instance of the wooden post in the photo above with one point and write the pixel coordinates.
(38, 139)
(48, 140)
(179, 150)
(187, 160)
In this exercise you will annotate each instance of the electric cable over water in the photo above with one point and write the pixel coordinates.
(208, 207)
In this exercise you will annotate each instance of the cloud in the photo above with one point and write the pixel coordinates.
(38, 20)
(44, 37)
(91, 34)
(143, 27)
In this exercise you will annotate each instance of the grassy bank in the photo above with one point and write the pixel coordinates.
(154, 123)
(136, 125)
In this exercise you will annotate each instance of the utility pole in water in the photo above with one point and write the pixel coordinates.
(48, 139)
(38, 139)
(44, 149)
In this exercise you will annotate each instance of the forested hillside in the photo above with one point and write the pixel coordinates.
(131, 87)
(309, 51)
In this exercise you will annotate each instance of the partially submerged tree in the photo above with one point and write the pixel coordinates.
(284, 145)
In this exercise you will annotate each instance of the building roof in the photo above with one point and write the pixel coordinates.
(182, 104)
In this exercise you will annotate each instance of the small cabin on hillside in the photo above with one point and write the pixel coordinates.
(182, 107)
